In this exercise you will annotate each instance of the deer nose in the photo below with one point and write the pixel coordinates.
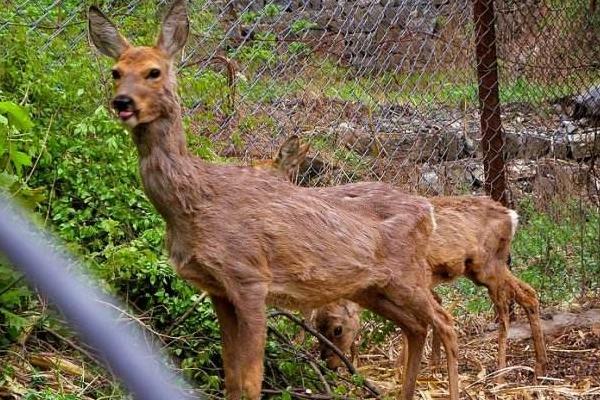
(123, 103)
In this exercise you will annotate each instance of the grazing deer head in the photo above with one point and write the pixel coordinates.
(340, 323)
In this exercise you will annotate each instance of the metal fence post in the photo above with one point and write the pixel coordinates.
(492, 141)
(128, 350)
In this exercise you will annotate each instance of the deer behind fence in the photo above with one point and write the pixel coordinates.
(472, 239)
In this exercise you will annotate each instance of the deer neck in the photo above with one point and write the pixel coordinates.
(171, 176)
(162, 137)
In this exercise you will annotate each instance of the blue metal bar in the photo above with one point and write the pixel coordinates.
(126, 349)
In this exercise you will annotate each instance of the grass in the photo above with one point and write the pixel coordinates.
(420, 89)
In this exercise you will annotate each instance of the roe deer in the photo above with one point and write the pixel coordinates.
(250, 238)
(472, 239)
(340, 323)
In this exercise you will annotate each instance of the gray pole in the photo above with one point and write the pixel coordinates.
(127, 350)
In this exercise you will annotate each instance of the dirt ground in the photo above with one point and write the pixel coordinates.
(573, 345)
(572, 341)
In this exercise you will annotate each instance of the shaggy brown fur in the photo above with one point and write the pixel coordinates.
(250, 238)
(472, 239)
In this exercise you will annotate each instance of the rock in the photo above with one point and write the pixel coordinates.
(432, 145)
(587, 104)
(376, 44)
(357, 140)
(550, 179)
(560, 147)
(450, 177)
(518, 170)
(525, 145)
(312, 170)
(584, 145)
(429, 182)
(567, 127)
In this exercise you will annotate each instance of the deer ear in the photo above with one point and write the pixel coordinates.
(288, 150)
(303, 151)
(105, 35)
(175, 29)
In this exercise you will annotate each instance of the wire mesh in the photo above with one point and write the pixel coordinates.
(389, 90)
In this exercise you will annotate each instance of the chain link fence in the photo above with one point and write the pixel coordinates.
(438, 97)
(382, 90)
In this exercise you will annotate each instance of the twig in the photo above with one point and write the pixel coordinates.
(368, 385)
(230, 74)
(302, 395)
(11, 285)
(132, 317)
(186, 314)
(71, 344)
(50, 197)
(321, 377)
(309, 359)
(42, 149)
(498, 373)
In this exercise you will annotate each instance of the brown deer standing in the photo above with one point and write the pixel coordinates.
(249, 238)
(472, 239)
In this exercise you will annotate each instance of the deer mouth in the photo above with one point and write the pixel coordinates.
(125, 115)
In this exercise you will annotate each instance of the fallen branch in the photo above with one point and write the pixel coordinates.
(49, 362)
(368, 385)
(302, 395)
(72, 344)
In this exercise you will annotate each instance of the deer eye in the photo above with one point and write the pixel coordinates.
(337, 331)
(154, 73)
(116, 74)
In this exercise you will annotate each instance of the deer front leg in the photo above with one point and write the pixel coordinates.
(252, 328)
(228, 325)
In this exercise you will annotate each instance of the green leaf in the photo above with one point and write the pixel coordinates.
(19, 159)
(13, 320)
(286, 396)
(14, 296)
(17, 115)
(7, 179)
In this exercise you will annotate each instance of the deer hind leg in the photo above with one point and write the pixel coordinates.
(436, 344)
(414, 314)
(498, 294)
(443, 324)
(228, 326)
(527, 298)
(252, 328)
(415, 334)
